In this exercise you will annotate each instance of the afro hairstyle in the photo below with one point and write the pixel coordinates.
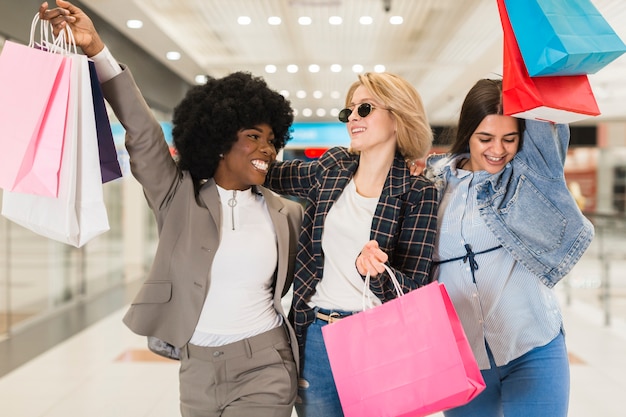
(207, 120)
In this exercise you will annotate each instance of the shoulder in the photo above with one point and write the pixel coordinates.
(336, 155)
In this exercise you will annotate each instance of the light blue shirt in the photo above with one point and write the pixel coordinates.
(507, 306)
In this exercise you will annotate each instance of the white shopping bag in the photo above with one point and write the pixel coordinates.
(78, 214)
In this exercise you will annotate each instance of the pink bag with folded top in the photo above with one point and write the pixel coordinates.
(406, 357)
(35, 92)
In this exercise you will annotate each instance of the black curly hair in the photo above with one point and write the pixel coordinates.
(206, 121)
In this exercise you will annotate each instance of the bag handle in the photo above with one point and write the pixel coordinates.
(366, 286)
(61, 44)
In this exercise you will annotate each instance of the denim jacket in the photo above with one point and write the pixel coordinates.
(528, 206)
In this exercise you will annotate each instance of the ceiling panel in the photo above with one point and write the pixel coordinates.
(442, 47)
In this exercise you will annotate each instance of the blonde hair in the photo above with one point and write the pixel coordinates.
(414, 135)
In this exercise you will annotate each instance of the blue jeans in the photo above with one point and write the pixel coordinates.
(316, 388)
(535, 384)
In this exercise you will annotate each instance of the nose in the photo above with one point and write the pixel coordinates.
(268, 148)
(354, 114)
(498, 146)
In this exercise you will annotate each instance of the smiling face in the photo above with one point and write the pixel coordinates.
(374, 132)
(493, 144)
(247, 162)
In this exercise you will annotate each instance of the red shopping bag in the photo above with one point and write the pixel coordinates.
(407, 357)
(558, 99)
(33, 103)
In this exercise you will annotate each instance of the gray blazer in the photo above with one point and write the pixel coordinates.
(169, 303)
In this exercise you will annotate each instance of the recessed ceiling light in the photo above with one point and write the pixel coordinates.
(292, 68)
(270, 69)
(366, 20)
(320, 112)
(396, 20)
(379, 68)
(301, 94)
(307, 112)
(173, 55)
(335, 68)
(201, 79)
(284, 93)
(274, 20)
(335, 20)
(305, 20)
(317, 94)
(244, 20)
(357, 68)
(314, 68)
(134, 24)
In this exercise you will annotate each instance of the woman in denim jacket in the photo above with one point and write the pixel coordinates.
(508, 231)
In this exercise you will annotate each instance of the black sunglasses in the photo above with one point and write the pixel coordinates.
(363, 110)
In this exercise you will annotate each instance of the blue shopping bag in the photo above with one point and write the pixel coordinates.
(563, 37)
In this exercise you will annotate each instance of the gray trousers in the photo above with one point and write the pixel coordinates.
(253, 377)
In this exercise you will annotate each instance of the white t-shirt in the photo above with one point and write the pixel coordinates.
(239, 302)
(346, 230)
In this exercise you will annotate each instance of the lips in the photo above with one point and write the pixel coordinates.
(494, 159)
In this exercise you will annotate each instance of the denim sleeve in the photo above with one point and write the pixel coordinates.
(545, 147)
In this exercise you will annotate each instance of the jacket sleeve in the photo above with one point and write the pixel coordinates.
(545, 147)
(150, 159)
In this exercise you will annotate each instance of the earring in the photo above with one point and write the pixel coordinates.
(221, 156)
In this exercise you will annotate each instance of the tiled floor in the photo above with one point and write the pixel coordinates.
(105, 370)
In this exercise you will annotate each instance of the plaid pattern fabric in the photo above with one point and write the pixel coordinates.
(404, 224)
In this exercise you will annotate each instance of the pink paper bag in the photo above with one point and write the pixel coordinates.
(33, 104)
(407, 357)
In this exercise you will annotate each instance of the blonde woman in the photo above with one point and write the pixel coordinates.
(363, 208)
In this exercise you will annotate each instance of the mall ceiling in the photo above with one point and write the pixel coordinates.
(441, 46)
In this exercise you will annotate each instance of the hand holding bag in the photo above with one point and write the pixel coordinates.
(563, 37)
(558, 99)
(406, 357)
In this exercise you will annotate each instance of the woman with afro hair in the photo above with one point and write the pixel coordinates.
(227, 246)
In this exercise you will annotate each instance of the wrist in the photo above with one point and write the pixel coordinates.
(95, 47)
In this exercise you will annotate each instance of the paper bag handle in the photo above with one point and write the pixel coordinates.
(59, 44)
(366, 287)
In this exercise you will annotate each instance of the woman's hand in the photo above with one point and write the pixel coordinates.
(415, 167)
(81, 25)
(371, 259)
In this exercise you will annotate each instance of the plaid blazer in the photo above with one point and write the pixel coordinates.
(404, 224)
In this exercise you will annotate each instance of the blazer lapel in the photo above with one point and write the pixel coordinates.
(211, 200)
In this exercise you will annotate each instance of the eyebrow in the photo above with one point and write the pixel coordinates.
(492, 135)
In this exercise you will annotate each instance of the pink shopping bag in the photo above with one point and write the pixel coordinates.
(407, 357)
(33, 104)
(78, 214)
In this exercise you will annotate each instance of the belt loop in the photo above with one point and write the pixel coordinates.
(246, 344)
(184, 351)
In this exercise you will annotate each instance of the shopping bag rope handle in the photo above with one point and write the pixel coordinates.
(366, 287)
(60, 44)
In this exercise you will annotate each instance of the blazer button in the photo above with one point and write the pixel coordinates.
(217, 353)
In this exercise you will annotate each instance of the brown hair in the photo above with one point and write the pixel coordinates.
(482, 100)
